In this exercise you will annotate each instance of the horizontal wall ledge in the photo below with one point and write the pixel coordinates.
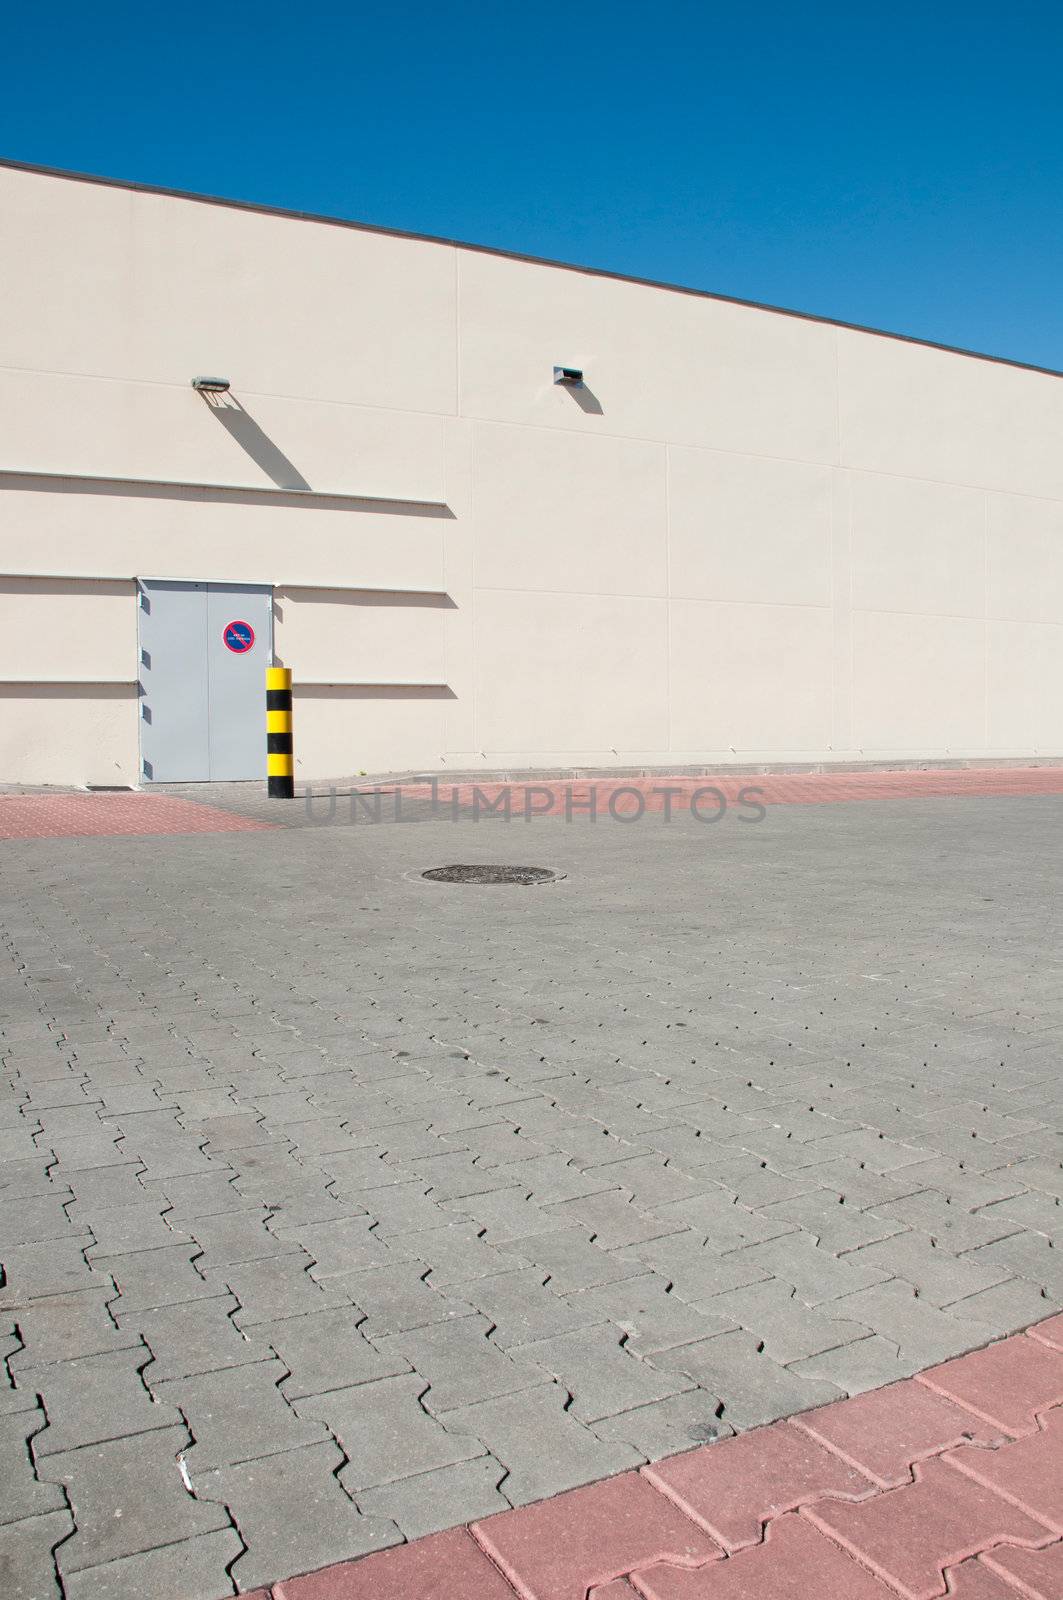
(377, 594)
(356, 689)
(252, 494)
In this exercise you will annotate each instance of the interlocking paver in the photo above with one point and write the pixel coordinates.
(908, 1536)
(541, 1444)
(795, 1561)
(602, 1378)
(24, 1495)
(237, 1414)
(522, 1308)
(733, 1492)
(387, 1433)
(27, 1570)
(1036, 1574)
(1028, 1471)
(429, 1502)
(885, 1433)
(149, 1038)
(191, 1567)
(1006, 1384)
(127, 1497)
(293, 1514)
(753, 1387)
(460, 1363)
(324, 1350)
(560, 1549)
(95, 1398)
(446, 1566)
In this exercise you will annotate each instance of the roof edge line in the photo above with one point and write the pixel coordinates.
(322, 218)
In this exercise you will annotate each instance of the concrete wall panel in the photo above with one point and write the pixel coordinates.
(366, 638)
(743, 528)
(918, 547)
(918, 683)
(746, 680)
(658, 364)
(57, 629)
(570, 671)
(109, 428)
(151, 287)
(566, 512)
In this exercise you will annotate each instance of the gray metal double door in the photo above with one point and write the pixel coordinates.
(204, 649)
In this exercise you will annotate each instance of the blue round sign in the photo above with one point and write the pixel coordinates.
(239, 637)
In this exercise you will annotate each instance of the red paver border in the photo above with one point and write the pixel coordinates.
(624, 799)
(97, 816)
(969, 1504)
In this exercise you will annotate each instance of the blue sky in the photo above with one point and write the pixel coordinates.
(895, 164)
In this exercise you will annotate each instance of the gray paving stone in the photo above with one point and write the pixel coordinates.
(692, 1267)
(754, 1389)
(1043, 1213)
(617, 1222)
(457, 1252)
(24, 1495)
(432, 1501)
(505, 1215)
(128, 1498)
(1006, 1308)
(856, 1367)
(237, 1414)
(33, 1220)
(788, 1330)
(544, 1448)
(53, 1267)
(233, 1236)
(682, 1422)
(149, 1278)
(921, 1333)
(646, 1312)
(573, 1262)
(195, 1569)
(324, 1351)
(602, 1378)
(277, 1286)
(27, 1570)
(95, 1398)
(199, 1336)
(813, 1272)
(938, 1275)
(1023, 1255)
(396, 1298)
(387, 1434)
(293, 1514)
(65, 1326)
(726, 1224)
(834, 1226)
(521, 1308)
(460, 1364)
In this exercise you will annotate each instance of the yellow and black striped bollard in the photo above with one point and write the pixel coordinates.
(280, 755)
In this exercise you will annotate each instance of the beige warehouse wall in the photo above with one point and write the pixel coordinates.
(750, 537)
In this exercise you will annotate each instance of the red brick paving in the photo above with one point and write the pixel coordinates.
(947, 1484)
(560, 1548)
(82, 816)
(887, 1431)
(1006, 1384)
(1038, 1574)
(790, 1468)
(627, 797)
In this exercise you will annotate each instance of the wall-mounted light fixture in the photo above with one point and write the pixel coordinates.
(211, 385)
(572, 377)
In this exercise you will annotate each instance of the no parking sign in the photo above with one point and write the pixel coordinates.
(239, 637)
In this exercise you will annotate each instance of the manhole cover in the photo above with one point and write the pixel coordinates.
(525, 875)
